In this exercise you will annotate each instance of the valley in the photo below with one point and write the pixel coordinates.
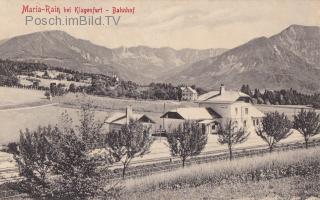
(165, 95)
(289, 59)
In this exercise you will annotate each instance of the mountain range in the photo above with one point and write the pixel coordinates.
(141, 64)
(289, 59)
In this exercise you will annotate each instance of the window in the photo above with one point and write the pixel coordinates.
(204, 128)
(245, 123)
(236, 109)
(246, 110)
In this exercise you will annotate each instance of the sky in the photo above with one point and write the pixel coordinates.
(178, 24)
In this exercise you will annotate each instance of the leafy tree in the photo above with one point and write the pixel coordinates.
(12, 148)
(307, 123)
(246, 89)
(46, 74)
(131, 141)
(58, 163)
(56, 90)
(35, 84)
(273, 128)
(72, 87)
(231, 134)
(90, 129)
(34, 162)
(187, 140)
(47, 94)
(61, 76)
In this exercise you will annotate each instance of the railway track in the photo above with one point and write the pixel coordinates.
(148, 169)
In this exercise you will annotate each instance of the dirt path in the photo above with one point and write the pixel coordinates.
(26, 106)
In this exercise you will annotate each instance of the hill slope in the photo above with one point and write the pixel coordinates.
(289, 59)
(59, 49)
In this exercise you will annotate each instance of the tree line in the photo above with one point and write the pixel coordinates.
(104, 85)
(189, 139)
(101, 85)
(282, 97)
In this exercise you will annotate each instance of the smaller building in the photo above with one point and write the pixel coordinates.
(188, 94)
(118, 119)
(207, 117)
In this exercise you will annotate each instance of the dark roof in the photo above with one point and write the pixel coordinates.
(121, 118)
(192, 113)
(213, 113)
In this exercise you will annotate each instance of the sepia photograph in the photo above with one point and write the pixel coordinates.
(160, 99)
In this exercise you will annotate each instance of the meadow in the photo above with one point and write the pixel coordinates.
(155, 106)
(289, 110)
(279, 175)
(46, 82)
(16, 96)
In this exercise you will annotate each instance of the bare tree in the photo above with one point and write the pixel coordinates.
(131, 141)
(273, 128)
(307, 123)
(187, 140)
(230, 134)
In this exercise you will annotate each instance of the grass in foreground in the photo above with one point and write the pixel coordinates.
(284, 174)
(297, 187)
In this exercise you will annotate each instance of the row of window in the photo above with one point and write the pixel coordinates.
(246, 111)
(255, 122)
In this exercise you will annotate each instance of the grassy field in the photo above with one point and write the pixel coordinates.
(12, 121)
(274, 176)
(16, 96)
(46, 82)
(157, 106)
(289, 110)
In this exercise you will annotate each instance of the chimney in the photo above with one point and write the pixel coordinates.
(129, 113)
(222, 89)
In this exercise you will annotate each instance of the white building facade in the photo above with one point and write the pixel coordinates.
(188, 94)
(232, 105)
(218, 107)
